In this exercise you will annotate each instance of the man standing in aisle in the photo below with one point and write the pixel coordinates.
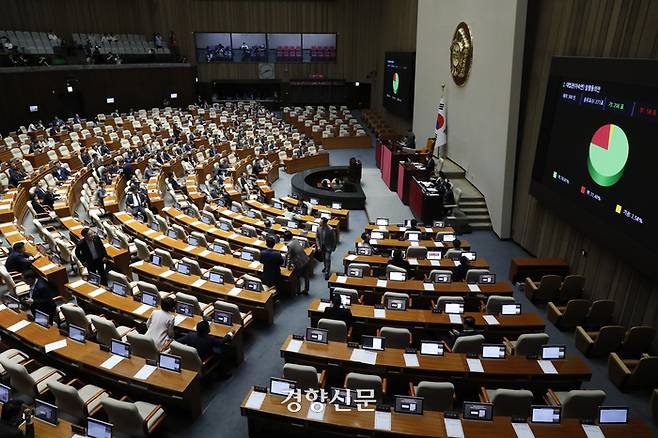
(91, 253)
(326, 238)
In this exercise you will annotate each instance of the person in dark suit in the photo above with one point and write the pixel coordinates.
(467, 330)
(326, 240)
(206, 345)
(459, 273)
(19, 260)
(42, 294)
(272, 261)
(49, 198)
(297, 259)
(12, 416)
(15, 175)
(414, 226)
(429, 166)
(127, 170)
(337, 311)
(136, 202)
(91, 253)
(61, 173)
(399, 261)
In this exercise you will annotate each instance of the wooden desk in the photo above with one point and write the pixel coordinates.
(271, 211)
(535, 268)
(127, 309)
(396, 231)
(294, 165)
(425, 322)
(512, 372)
(180, 391)
(341, 214)
(260, 303)
(260, 225)
(404, 244)
(378, 264)
(273, 418)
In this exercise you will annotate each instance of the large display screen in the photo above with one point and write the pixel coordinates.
(399, 73)
(597, 150)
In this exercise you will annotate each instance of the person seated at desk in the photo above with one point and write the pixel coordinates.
(127, 170)
(171, 179)
(18, 259)
(105, 177)
(337, 311)
(399, 261)
(61, 173)
(459, 274)
(272, 261)
(103, 148)
(290, 214)
(42, 294)
(365, 241)
(429, 166)
(207, 346)
(49, 198)
(414, 226)
(136, 202)
(15, 175)
(160, 325)
(13, 415)
(85, 157)
(150, 172)
(468, 329)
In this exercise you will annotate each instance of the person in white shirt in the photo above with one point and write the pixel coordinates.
(161, 323)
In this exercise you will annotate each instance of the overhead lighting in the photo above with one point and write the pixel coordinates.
(69, 89)
(356, 84)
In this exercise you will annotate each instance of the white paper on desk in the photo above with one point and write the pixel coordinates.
(255, 400)
(317, 415)
(142, 309)
(77, 284)
(380, 313)
(473, 288)
(260, 224)
(413, 262)
(381, 227)
(97, 292)
(490, 319)
(411, 360)
(196, 223)
(178, 319)
(350, 257)
(189, 248)
(254, 265)
(455, 318)
(212, 230)
(382, 420)
(454, 427)
(199, 283)
(593, 431)
(233, 236)
(149, 232)
(145, 372)
(55, 345)
(112, 361)
(48, 267)
(438, 244)
(159, 237)
(547, 366)
(457, 262)
(294, 345)
(373, 241)
(205, 253)
(341, 279)
(77, 436)
(428, 286)
(475, 365)
(435, 262)
(234, 292)
(381, 283)
(323, 306)
(238, 217)
(2, 307)
(19, 325)
(139, 263)
(363, 356)
(258, 242)
(523, 430)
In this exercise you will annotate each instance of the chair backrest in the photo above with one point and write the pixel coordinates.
(189, 299)
(229, 307)
(227, 273)
(306, 376)
(190, 359)
(200, 237)
(548, 287)
(452, 252)
(392, 268)
(143, 346)
(416, 252)
(255, 253)
(571, 288)
(352, 293)
(19, 378)
(608, 340)
(396, 337)
(396, 295)
(441, 303)
(644, 374)
(582, 403)
(638, 340)
(143, 251)
(512, 402)
(68, 400)
(337, 330)
(105, 330)
(365, 381)
(530, 343)
(600, 313)
(468, 344)
(495, 302)
(180, 232)
(124, 417)
(75, 315)
(195, 269)
(473, 275)
(575, 313)
(118, 277)
(437, 396)
(165, 257)
(364, 267)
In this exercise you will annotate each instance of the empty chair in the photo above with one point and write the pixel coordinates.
(227, 273)
(143, 346)
(255, 253)
(225, 224)
(545, 291)
(631, 373)
(495, 303)
(223, 243)
(200, 237)
(180, 232)
(527, 343)
(194, 302)
(437, 396)
(473, 275)
(638, 340)
(352, 293)
(396, 295)
(12, 355)
(600, 343)
(77, 403)
(195, 269)
(599, 314)
(138, 419)
(17, 288)
(306, 376)
(364, 267)
(434, 272)
(118, 277)
(441, 303)
(165, 258)
(240, 318)
(190, 359)
(336, 330)
(32, 383)
(416, 252)
(366, 381)
(143, 251)
(577, 403)
(392, 268)
(249, 230)
(468, 344)
(452, 253)
(74, 314)
(508, 402)
(569, 316)
(571, 288)
(396, 337)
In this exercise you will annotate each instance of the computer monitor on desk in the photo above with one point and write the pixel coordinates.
(120, 348)
(431, 348)
(169, 362)
(397, 276)
(317, 335)
(478, 411)
(281, 387)
(98, 429)
(493, 351)
(546, 414)
(381, 221)
(45, 412)
(408, 405)
(375, 343)
(613, 415)
(553, 352)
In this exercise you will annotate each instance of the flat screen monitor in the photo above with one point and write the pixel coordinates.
(184, 308)
(150, 299)
(247, 256)
(553, 352)
(431, 348)
(375, 343)
(293, 225)
(45, 411)
(119, 289)
(251, 214)
(438, 224)
(442, 278)
(224, 226)
(377, 235)
(191, 240)
(319, 47)
(5, 393)
(413, 237)
(493, 351)
(336, 205)
(169, 362)
(281, 387)
(206, 220)
(34, 108)
(313, 201)
(277, 204)
(510, 309)
(183, 268)
(613, 415)
(249, 47)
(355, 272)
(77, 333)
(12, 302)
(41, 318)
(219, 249)
(545, 414)
(470, 255)
(397, 276)
(216, 277)
(434, 255)
(154, 226)
(317, 335)
(408, 405)
(345, 300)
(253, 285)
(487, 279)
(343, 397)
(115, 242)
(213, 47)
(382, 221)
(364, 250)
(98, 429)
(455, 307)
(222, 317)
(120, 348)
(325, 215)
(478, 411)
(449, 237)
(94, 279)
(394, 303)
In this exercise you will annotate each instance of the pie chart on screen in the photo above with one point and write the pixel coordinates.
(396, 82)
(608, 153)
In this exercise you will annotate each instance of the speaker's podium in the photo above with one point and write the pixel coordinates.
(390, 151)
(425, 202)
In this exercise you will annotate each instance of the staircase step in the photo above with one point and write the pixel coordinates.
(480, 225)
(478, 217)
(474, 211)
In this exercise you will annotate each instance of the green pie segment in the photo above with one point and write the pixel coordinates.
(396, 82)
(608, 153)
